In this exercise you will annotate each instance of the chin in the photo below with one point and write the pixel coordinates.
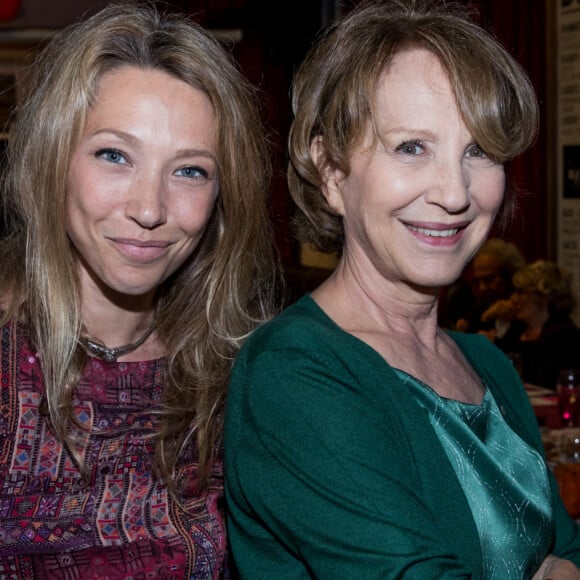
(438, 280)
(134, 290)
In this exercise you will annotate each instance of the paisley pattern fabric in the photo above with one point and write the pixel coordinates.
(118, 521)
(504, 479)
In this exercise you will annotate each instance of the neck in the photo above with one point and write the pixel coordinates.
(119, 330)
(111, 354)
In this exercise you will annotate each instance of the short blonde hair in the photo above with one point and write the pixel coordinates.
(332, 95)
(550, 284)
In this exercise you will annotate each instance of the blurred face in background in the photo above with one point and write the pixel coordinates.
(529, 305)
(488, 282)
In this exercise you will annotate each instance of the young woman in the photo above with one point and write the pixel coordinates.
(137, 258)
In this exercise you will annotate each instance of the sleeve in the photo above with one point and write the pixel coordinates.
(320, 477)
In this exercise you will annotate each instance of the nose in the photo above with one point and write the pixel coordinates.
(146, 203)
(451, 188)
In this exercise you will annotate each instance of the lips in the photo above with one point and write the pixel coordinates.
(141, 250)
(435, 233)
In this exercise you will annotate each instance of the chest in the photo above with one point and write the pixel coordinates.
(443, 367)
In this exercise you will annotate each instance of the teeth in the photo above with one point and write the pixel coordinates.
(435, 233)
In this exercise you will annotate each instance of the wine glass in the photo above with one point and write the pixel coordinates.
(567, 472)
(568, 393)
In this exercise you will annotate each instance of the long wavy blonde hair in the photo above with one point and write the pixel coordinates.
(226, 288)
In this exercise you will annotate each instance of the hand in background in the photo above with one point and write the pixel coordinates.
(502, 309)
(491, 334)
(554, 568)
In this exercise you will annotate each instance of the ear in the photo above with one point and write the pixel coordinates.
(332, 178)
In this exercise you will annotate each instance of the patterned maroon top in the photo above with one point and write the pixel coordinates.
(117, 523)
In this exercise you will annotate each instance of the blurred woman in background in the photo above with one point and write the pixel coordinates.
(547, 339)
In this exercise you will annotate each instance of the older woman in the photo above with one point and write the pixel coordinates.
(137, 259)
(547, 339)
(362, 441)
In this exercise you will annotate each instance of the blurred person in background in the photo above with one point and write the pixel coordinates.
(490, 280)
(546, 338)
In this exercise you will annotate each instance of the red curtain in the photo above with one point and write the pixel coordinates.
(521, 27)
(519, 24)
(9, 9)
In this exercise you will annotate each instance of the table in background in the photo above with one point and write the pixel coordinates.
(545, 405)
(566, 469)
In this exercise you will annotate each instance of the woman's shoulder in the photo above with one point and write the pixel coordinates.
(478, 348)
(300, 333)
(560, 332)
(471, 340)
(303, 318)
(561, 324)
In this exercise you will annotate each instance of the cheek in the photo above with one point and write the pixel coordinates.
(194, 216)
(93, 191)
(73, 211)
(492, 187)
(79, 199)
(82, 204)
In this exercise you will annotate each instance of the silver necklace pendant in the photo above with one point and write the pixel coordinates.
(110, 355)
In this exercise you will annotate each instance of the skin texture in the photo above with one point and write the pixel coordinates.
(141, 189)
(416, 209)
(554, 568)
(417, 206)
(426, 172)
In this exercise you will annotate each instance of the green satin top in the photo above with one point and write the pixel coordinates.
(504, 479)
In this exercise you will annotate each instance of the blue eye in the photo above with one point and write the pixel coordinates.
(411, 148)
(192, 172)
(476, 151)
(111, 155)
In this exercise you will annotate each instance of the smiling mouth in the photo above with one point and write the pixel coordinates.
(141, 251)
(141, 244)
(435, 233)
